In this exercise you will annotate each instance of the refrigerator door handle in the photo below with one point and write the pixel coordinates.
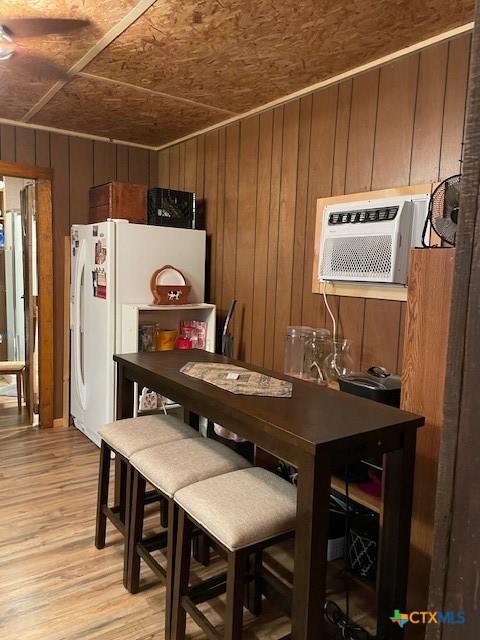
(77, 329)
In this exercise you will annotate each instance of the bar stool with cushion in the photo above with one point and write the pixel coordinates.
(169, 468)
(124, 438)
(243, 512)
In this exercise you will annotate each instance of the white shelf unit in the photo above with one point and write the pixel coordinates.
(168, 316)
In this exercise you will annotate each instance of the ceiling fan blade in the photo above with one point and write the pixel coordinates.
(38, 67)
(36, 27)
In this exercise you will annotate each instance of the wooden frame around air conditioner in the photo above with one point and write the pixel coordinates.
(384, 291)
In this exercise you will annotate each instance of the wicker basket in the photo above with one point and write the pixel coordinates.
(168, 293)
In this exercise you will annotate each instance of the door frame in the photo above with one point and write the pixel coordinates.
(454, 573)
(43, 201)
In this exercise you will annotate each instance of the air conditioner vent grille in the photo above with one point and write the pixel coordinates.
(353, 258)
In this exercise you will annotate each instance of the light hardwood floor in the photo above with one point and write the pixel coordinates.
(9, 415)
(54, 584)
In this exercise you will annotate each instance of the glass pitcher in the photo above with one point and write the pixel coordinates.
(297, 340)
(318, 348)
(339, 361)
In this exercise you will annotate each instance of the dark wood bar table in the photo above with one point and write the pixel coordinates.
(316, 429)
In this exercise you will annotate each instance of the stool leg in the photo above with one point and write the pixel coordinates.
(164, 509)
(201, 549)
(128, 515)
(123, 489)
(120, 486)
(171, 551)
(118, 475)
(182, 575)
(237, 561)
(19, 392)
(135, 533)
(253, 591)
(102, 497)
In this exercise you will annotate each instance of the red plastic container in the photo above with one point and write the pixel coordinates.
(184, 343)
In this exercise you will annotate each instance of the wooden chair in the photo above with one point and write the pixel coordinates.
(15, 368)
(242, 512)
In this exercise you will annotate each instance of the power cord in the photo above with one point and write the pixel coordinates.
(330, 313)
(347, 629)
(334, 328)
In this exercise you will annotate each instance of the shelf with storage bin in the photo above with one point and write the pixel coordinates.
(356, 494)
(169, 316)
(278, 563)
(133, 316)
(278, 569)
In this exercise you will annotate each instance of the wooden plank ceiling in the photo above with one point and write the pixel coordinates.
(180, 67)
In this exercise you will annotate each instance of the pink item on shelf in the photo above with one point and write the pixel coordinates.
(184, 342)
(196, 330)
(374, 486)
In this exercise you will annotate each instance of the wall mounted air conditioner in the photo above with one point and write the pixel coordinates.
(370, 240)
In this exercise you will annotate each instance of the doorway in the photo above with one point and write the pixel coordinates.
(19, 402)
(26, 299)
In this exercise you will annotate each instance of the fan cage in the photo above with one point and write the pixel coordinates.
(436, 212)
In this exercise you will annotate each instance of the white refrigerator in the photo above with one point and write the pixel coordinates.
(111, 265)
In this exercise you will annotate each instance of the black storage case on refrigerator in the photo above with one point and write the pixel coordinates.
(171, 208)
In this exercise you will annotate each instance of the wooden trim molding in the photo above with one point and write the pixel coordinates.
(365, 290)
(360, 290)
(74, 134)
(66, 332)
(43, 195)
(27, 171)
(45, 300)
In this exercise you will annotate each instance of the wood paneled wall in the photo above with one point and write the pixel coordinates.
(260, 178)
(77, 163)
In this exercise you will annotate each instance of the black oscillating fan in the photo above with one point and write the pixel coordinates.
(443, 211)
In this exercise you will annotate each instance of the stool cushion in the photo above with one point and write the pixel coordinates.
(243, 507)
(175, 465)
(133, 434)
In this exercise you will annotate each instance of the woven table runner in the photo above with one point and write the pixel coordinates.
(238, 380)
